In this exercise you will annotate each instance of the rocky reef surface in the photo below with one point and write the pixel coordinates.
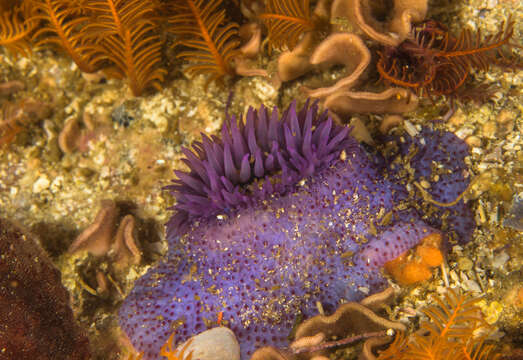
(91, 141)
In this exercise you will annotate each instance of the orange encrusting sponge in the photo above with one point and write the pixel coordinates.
(415, 265)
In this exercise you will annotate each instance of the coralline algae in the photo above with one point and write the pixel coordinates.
(279, 215)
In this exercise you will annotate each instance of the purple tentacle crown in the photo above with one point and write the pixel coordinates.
(280, 213)
(254, 160)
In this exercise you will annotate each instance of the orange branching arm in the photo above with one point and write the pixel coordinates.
(63, 26)
(15, 29)
(208, 41)
(126, 32)
(287, 21)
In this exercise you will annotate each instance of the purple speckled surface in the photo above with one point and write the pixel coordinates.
(321, 236)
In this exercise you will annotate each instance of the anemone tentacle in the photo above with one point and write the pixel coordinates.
(255, 158)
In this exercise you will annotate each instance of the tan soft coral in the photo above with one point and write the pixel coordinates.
(103, 237)
(351, 322)
(365, 18)
(344, 46)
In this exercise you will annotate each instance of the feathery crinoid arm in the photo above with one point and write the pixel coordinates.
(114, 16)
(449, 334)
(434, 62)
(286, 22)
(209, 41)
(137, 55)
(127, 32)
(64, 26)
(478, 52)
(15, 29)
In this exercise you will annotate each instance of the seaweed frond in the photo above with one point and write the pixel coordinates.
(126, 31)
(286, 22)
(211, 42)
(15, 30)
(449, 334)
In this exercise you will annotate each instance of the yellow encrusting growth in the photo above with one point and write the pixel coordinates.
(415, 266)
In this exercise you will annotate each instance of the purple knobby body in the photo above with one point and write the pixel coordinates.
(280, 213)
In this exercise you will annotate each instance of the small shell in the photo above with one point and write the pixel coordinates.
(214, 344)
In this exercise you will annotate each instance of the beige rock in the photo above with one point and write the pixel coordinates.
(465, 264)
(41, 184)
(505, 120)
(389, 122)
(489, 129)
(505, 116)
(458, 118)
(360, 131)
(218, 343)
(473, 141)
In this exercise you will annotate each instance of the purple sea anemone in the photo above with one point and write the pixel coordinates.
(252, 161)
(282, 213)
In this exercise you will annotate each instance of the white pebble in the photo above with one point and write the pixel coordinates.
(499, 261)
(364, 290)
(454, 276)
(41, 184)
(410, 128)
(160, 121)
(56, 185)
(471, 285)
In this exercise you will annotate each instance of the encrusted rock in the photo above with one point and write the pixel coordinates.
(36, 321)
(514, 219)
